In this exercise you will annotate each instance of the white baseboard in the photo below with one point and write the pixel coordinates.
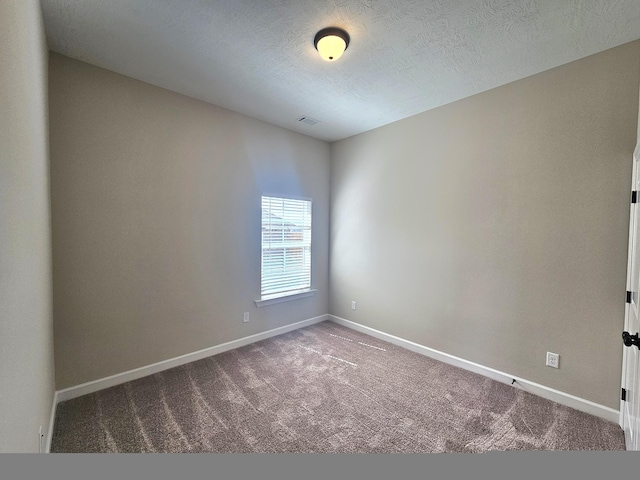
(562, 398)
(52, 418)
(117, 379)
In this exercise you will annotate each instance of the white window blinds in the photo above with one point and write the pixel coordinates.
(286, 246)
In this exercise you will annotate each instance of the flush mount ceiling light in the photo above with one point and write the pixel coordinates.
(331, 43)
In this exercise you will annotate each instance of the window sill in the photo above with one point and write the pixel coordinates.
(287, 297)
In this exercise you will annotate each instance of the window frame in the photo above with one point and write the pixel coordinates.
(285, 296)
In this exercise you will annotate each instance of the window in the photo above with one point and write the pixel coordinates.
(286, 247)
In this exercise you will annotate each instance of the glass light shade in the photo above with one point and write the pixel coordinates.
(331, 47)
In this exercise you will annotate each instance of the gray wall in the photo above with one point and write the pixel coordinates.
(26, 329)
(156, 221)
(495, 228)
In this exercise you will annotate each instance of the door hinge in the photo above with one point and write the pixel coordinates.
(624, 395)
(634, 196)
(629, 296)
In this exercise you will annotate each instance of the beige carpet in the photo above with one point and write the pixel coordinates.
(324, 388)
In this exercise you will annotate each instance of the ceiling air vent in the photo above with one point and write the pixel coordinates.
(308, 120)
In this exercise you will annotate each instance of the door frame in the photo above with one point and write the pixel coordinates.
(627, 305)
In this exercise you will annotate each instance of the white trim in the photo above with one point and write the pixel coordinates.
(117, 379)
(52, 418)
(286, 297)
(285, 196)
(563, 398)
(627, 306)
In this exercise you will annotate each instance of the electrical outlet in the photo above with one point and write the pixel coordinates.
(40, 440)
(553, 360)
(245, 317)
(353, 305)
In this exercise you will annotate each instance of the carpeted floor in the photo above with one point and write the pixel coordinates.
(324, 388)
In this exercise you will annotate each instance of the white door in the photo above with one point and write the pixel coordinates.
(630, 408)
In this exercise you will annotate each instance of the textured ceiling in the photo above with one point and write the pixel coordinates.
(406, 56)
